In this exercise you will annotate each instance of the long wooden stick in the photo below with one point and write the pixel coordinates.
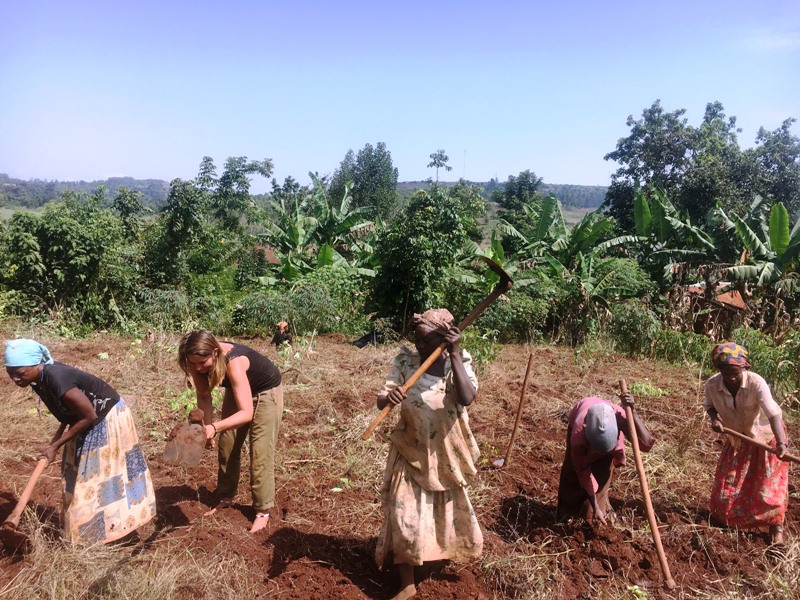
(770, 449)
(502, 286)
(13, 518)
(519, 409)
(648, 503)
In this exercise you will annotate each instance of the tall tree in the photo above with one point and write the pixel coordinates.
(128, 204)
(416, 254)
(439, 161)
(518, 199)
(718, 172)
(656, 153)
(374, 180)
(344, 177)
(777, 159)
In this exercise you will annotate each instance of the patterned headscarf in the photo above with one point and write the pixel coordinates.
(730, 353)
(26, 353)
(438, 319)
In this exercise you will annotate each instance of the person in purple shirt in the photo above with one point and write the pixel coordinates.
(595, 445)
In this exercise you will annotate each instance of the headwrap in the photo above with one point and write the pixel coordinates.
(601, 428)
(26, 353)
(438, 319)
(730, 353)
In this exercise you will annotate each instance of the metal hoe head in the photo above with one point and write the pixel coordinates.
(505, 279)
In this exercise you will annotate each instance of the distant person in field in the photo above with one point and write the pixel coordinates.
(282, 334)
(252, 408)
(596, 434)
(751, 485)
(108, 492)
(427, 514)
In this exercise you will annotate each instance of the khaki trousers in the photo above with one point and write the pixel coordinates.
(262, 433)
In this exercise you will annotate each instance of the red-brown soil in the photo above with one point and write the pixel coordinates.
(320, 543)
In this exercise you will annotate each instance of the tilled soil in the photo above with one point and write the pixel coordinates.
(321, 538)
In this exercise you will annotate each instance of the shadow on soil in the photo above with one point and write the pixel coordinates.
(353, 558)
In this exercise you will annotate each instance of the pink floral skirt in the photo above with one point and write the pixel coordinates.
(751, 487)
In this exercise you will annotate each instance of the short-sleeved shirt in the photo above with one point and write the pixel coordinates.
(749, 412)
(582, 454)
(262, 374)
(57, 379)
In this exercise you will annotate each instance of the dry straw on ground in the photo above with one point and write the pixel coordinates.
(320, 542)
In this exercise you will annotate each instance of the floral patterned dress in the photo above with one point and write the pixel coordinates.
(427, 513)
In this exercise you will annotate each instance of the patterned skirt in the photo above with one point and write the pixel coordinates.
(108, 492)
(751, 487)
(421, 525)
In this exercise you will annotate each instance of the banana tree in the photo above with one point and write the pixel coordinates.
(773, 253)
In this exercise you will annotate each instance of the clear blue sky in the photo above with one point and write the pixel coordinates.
(90, 90)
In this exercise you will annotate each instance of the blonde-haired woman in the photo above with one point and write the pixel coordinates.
(252, 408)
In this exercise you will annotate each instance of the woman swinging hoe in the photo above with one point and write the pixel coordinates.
(427, 514)
(751, 485)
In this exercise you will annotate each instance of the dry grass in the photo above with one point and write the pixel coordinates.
(329, 401)
(139, 572)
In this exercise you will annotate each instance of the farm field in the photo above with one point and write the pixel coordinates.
(321, 538)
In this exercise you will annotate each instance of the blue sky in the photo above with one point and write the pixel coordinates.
(90, 90)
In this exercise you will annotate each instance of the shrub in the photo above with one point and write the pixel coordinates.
(521, 317)
(778, 365)
(634, 329)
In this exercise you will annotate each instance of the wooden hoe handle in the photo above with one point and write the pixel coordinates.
(648, 503)
(519, 409)
(502, 286)
(770, 449)
(13, 518)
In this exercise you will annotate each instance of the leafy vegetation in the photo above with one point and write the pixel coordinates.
(699, 239)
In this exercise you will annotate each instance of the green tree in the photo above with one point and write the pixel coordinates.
(515, 193)
(230, 199)
(416, 256)
(719, 172)
(439, 161)
(128, 204)
(777, 159)
(73, 260)
(374, 179)
(344, 177)
(470, 205)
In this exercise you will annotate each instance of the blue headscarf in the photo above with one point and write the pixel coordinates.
(26, 353)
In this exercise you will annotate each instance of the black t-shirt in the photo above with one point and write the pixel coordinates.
(262, 374)
(58, 379)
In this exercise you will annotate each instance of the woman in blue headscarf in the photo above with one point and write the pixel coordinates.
(108, 492)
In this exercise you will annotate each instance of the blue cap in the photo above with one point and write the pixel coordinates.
(601, 427)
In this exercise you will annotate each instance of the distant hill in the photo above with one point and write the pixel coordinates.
(572, 196)
(34, 193)
(37, 192)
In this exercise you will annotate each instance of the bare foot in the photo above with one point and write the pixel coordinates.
(776, 534)
(407, 592)
(261, 521)
(221, 503)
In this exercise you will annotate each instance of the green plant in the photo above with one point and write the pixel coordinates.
(186, 401)
(646, 388)
(482, 346)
